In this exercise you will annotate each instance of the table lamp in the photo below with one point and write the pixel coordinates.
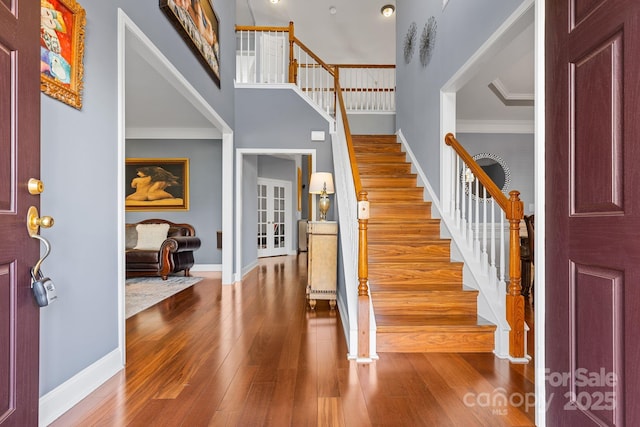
(322, 183)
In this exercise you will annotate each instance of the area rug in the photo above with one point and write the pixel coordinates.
(143, 292)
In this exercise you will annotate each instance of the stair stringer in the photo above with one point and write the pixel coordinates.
(491, 303)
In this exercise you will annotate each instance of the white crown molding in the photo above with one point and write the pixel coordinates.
(511, 96)
(172, 133)
(510, 99)
(495, 126)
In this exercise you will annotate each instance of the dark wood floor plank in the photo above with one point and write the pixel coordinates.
(254, 354)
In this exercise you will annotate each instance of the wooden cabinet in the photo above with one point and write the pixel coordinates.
(322, 262)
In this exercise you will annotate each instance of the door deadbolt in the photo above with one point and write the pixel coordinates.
(35, 186)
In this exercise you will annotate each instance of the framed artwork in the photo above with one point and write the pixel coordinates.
(157, 185)
(62, 25)
(299, 190)
(198, 24)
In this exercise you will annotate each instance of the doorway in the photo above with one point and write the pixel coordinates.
(529, 11)
(197, 120)
(246, 181)
(274, 210)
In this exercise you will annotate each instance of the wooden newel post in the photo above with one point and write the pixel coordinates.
(363, 277)
(293, 67)
(515, 301)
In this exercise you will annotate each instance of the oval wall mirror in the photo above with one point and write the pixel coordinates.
(495, 167)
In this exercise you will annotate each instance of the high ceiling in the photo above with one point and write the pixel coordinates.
(502, 91)
(356, 33)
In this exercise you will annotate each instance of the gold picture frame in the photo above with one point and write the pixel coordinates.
(157, 184)
(62, 26)
(199, 26)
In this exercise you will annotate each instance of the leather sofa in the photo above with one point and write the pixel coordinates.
(175, 252)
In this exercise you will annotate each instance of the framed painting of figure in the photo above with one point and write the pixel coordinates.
(157, 184)
(197, 23)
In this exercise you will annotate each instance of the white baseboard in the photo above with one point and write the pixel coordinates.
(247, 268)
(207, 267)
(68, 394)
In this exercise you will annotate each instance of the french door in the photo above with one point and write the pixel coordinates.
(274, 217)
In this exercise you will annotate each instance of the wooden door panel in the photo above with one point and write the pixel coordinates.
(6, 157)
(19, 161)
(597, 125)
(593, 211)
(7, 357)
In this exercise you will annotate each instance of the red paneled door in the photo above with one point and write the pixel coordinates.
(19, 161)
(593, 212)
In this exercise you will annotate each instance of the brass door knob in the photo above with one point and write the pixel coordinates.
(34, 222)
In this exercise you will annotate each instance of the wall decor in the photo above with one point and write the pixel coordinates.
(410, 42)
(198, 24)
(496, 168)
(428, 41)
(62, 25)
(157, 184)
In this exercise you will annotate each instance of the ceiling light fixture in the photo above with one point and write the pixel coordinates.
(388, 10)
(275, 1)
(333, 10)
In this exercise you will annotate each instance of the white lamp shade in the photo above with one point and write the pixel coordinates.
(318, 182)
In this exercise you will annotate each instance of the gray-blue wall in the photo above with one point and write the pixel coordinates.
(79, 169)
(261, 125)
(250, 210)
(205, 188)
(462, 28)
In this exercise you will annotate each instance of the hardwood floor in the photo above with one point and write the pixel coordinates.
(252, 354)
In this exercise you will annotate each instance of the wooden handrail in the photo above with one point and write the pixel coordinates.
(514, 212)
(254, 28)
(315, 57)
(352, 153)
(478, 172)
(363, 65)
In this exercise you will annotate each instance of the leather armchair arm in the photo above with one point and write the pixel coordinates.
(180, 244)
(169, 253)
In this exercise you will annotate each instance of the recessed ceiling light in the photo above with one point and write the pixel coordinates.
(275, 1)
(333, 10)
(388, 10)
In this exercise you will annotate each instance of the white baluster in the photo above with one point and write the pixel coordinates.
(502, 255)
(476, 239)
(463, 211)
(493, 274)
(456, 182)
(470, 214)
(485, 262)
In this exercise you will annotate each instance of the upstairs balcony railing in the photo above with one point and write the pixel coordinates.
(273, 55)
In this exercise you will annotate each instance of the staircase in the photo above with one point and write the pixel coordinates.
(417, 294)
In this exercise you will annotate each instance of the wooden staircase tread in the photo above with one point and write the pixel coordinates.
(395, 176)
(414, 244)
(426, 265)
(421, 292)
(413, 321)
